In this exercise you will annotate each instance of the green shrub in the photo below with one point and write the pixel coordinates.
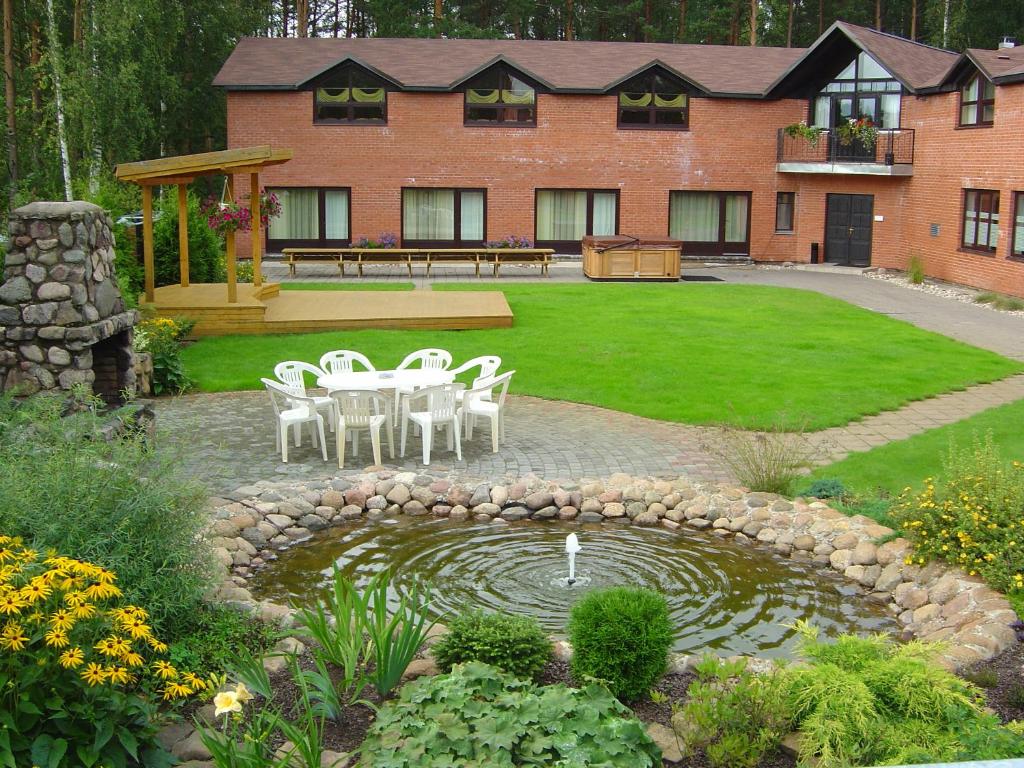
(869, 701)
(118, 199)
(516, 644)
(915, 269)
(621, 635)
(1000, 301)
(162, 338)
(205, 251)
(983, 677)
(122, 504)
(973, 518)
(1015, 696)
(214, 636)
(478, 715)
(826, 488)
(735, 716)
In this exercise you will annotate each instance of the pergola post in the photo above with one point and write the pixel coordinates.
(147, 240)
(183, 233)
(257, 229)
(229, 244)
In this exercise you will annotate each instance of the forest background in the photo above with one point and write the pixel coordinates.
(91, 83)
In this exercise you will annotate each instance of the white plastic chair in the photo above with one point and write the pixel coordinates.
(294, 410)
(488, 365)
(436, 359)
(341, 360)
(359, 409)
(291, 373)
(479, 401)
(428, 359)
(432, 408)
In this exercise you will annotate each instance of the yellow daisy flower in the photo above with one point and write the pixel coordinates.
(56, 639)
(165, 670)
(93, 674)
(72, 658)
(176, 691)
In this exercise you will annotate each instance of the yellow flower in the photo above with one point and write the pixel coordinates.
(61, 619)
(176, 691)
(242, 693)
(102, 591)
(226, 702)
(137, 628)
(11, 603)
(35, 590)
(84, 611)
(13, 637)
(156, 645)
(94, 674)
(132, 659)
(193, 682)
(74, 598)
(72, 658)
(118, 675)
(56, 639)
(107, 647)
(165, 670)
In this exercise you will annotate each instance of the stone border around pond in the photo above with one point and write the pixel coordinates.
(933, 602)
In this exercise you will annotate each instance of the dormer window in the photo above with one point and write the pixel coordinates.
(653, 101)
(977, 102)
(864, 90)
(500, 97)
(350, 96)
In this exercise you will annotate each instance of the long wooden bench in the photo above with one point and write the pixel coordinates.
(496, 257)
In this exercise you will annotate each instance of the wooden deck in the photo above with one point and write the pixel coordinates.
(268, 310)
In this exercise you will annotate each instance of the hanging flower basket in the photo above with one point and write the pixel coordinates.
(807, 132)
(862, 131)
(224, 216)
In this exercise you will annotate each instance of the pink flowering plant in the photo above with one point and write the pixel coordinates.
(510, 241)
(224, 217)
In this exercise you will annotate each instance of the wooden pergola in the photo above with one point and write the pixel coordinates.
(181, 171)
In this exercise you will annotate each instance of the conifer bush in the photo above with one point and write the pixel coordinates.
(516, 644)
(621, 635)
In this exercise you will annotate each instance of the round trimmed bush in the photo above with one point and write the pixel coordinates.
(516, 644)
(622, 636)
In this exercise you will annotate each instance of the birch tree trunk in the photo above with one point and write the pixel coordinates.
(9, 103)
(945, 23)
(58, 93)
(96, 167)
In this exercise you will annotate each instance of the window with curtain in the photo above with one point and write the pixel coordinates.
(433, 216)
(500, 96)
(1017, 246)
(981, 219)
(711, 223)
(864, 89)
(653, 100)
(978, 102)
(565, 216)
(310, 216)
(785, 206)
(351, 95)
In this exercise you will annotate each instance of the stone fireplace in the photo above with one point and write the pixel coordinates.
(63, 320)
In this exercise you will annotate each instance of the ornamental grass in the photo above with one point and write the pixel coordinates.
(81, 671)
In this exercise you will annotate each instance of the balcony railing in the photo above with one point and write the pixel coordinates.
(894, 146)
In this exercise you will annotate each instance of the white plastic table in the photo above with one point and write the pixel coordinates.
(407, 378)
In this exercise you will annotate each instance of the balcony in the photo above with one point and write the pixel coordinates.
(892, 154)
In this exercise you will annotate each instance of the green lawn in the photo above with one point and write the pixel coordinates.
(896, 466)
(346, 286)
(743, 354)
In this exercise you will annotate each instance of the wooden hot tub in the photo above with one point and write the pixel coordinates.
(621, 257)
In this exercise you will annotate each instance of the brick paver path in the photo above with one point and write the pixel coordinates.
(227, 440)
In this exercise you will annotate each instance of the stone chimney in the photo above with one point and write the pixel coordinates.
(62, 317)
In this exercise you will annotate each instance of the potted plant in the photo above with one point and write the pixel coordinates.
(861, 130)
(228, 216)
(807, 132)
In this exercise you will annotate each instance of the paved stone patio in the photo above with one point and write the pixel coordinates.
(227, 440)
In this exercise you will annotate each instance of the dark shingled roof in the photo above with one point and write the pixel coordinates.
(1002, 65)
(438, 64)
(916, 65)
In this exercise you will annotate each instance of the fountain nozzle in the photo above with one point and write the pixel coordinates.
(572, 546)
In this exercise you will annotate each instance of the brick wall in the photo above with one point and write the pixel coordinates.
(731, 145)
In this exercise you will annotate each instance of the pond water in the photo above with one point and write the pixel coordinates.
(724, 597)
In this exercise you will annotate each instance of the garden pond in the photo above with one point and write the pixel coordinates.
(724, 597)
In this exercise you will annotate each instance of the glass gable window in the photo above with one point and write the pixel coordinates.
(439, 217)
(710, 223)
(565, 216)
(310, 216)
(863, 90)
(500, 97)
(981, 219)
(653, 101)
(978, 102)
(350, 96)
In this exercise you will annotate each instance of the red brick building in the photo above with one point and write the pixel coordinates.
(918, 152)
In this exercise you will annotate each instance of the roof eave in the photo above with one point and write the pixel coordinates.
(650, 65)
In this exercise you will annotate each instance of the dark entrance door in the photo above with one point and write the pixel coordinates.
(848, 229)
